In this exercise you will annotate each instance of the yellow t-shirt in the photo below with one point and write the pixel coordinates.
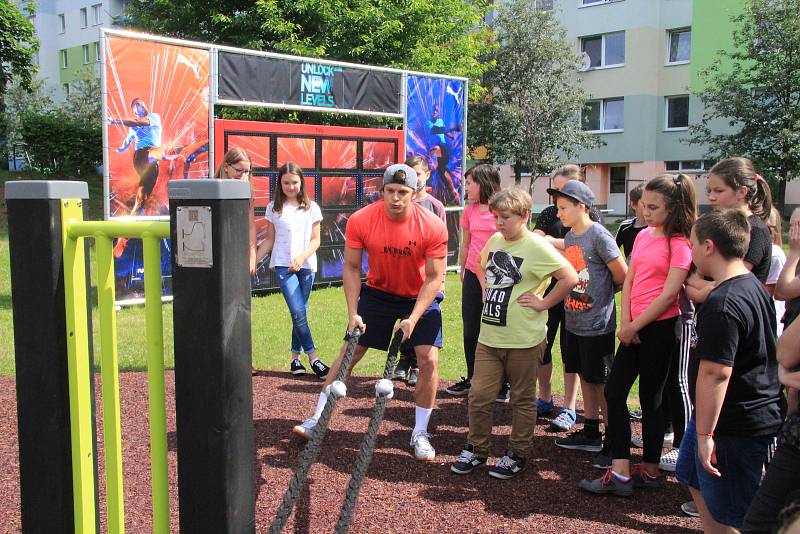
(511, 269)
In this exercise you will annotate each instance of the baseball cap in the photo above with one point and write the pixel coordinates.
(575, 190)
(410, 179)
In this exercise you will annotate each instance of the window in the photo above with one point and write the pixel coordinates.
(85, 54)
(605, 50)
(97, 14)
(604, 115)
(617, 179)
(694, 165)
(544, 5)
(62, 23)
(64, 63)
(65, 88)
(677, 112)
(680, 46)
(97, 51)
(84, 18)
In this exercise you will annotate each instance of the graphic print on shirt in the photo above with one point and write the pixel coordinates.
(502, 274)
(578, 299)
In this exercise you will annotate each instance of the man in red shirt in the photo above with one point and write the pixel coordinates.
(406, 247)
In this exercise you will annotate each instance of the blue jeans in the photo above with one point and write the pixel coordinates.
(296, 289)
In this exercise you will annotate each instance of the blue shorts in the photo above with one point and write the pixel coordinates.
(381, 311)
(740, 460)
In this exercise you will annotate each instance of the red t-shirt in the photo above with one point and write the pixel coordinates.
(396, 250)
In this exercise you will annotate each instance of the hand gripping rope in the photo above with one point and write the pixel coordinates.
(384, 390)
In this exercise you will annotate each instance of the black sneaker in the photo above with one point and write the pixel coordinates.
(467, 461)
(602, 460)
(459, 389)
(508, 466)
(296, 368)
(581, 440)
(320, 369)
(401, 370)
(504, 395)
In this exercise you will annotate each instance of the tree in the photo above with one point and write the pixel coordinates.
(84, 102)
(444, 36)
(18, 44)
(531, 110)
(756, 93)
(20, 100)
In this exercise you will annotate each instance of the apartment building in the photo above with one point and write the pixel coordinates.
(638, 60)
(69, 33)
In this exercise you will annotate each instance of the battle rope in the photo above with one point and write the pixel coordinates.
(383, 392)
(336, 390)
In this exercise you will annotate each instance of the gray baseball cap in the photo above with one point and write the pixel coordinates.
(575, 190)
(409, 177)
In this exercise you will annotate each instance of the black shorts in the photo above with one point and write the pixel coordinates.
(147, 170)
(589, 356)
(380, 312)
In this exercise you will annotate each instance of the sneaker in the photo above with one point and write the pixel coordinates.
(544, 407)
(581, 440)
(423, 450)
(565, 420)
(467, 461)
(608, 483)
(413, 374)
(638, 441)
(459, 389)
(508, 466)
(401, 370)
(602, 460)
(636, 415)
(504, 395)
(296, 368)
(690, 508)
(320, 369)
(668, 460)
(306, 429)
(642, 479)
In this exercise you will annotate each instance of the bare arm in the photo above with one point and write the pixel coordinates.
(434, 270)
(465, 240)
(566, 278)
(619, 270)
(313, 245)
(351, 279)
(252, 238)
(788, 286)
(712, 383)
(698, 289)
(269, 240)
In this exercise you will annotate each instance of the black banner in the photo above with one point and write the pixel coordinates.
(307, 83)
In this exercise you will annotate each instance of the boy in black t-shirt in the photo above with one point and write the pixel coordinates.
(737, 394)
(630, 228)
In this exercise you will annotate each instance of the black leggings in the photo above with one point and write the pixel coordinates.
(650, 361)
(677, 403)
(471, 306)
(555, 319)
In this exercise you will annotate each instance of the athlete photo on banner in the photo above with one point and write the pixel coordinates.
(434, 122)
(157, 100)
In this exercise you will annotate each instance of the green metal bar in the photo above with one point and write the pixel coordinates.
(112, 439)
(155, 380)
(129, 229)
(78, 369)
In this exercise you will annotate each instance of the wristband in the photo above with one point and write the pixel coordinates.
(709, 435)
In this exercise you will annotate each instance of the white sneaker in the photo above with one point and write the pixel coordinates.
(423, 450)
(637, 441)
(668, 460)
(306, 429)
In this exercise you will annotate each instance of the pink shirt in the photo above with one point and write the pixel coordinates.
(652, 261)
(480, 225)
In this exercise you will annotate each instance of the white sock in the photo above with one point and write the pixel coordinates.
(421, 418)
(323, 400)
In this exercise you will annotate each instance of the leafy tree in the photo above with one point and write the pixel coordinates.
(442, 36)
(530, 112)
(756, 93)
(84, 102)
(61, 144)
(18, 44)
(34, 98)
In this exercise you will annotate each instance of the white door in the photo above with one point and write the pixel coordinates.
(617, 191)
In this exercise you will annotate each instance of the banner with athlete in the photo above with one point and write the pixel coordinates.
(156, 100)
(434, 130)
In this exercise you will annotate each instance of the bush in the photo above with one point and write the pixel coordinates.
(61, 144)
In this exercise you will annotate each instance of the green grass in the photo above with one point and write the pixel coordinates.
(270, 321)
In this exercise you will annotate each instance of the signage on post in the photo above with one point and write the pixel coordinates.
(194, 236)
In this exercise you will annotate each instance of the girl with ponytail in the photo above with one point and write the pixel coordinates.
(659, 266)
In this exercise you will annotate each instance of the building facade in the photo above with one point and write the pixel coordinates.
(69, 34)
(639, 60)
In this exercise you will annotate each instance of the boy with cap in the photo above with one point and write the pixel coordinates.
(590, 310)
(406, 247)
(516, 267)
